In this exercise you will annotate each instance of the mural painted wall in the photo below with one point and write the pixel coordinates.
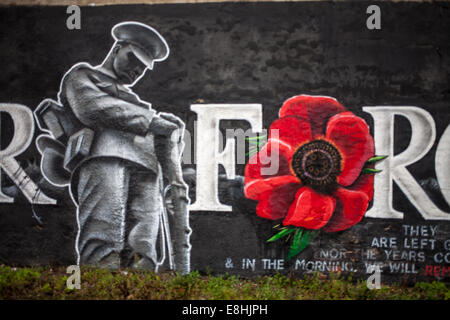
(248, 138)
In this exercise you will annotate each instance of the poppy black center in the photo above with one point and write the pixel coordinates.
(317, 164)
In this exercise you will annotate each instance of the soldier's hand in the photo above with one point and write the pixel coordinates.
(162, 126)
(172, 118)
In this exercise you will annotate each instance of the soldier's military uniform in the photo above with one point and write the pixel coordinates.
(120, 175)
(117, 185)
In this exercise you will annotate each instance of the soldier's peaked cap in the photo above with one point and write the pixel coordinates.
(151, 45)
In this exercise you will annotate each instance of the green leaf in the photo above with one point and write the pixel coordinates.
(376, 158)
(302, 239)
(307, 238)
(252, 151)
(370, 171)
(256, 137)
(294, 249)
(281, 234)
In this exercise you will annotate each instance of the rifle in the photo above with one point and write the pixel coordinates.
(169, 152)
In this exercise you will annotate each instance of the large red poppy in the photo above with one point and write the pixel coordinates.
(322, 148)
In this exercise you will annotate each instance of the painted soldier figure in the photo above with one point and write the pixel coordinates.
(123, 160)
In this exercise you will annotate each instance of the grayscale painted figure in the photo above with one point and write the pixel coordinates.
(121, 159)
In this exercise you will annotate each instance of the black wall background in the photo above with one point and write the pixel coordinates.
(236, 53)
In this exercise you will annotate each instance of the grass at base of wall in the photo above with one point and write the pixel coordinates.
(51, 283)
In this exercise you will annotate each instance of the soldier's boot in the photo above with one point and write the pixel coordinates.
(142, 239)
(144, 263)
(111, 261)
